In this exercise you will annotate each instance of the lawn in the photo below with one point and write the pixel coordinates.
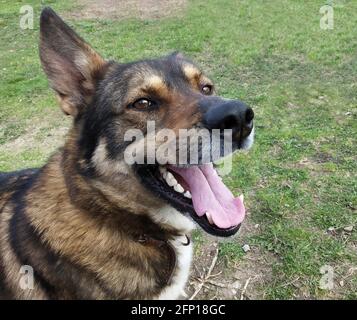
(299, 179)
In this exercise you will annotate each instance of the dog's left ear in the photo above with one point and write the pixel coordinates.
(72, 66)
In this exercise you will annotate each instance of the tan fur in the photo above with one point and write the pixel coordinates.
(95, 241)
(90, 227)
(195, 76)
(191, 71)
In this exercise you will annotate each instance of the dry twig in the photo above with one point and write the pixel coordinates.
(245, 288)
(206, 277)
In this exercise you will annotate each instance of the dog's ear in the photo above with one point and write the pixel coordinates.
(71, 65)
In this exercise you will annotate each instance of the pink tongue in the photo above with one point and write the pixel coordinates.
(210, 194)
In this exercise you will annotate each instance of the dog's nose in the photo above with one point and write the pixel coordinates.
(232, 114)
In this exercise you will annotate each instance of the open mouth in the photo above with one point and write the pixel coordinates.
(199, 192)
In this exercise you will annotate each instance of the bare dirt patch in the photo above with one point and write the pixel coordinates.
(122, 9)
(46, 134)
(215, 278)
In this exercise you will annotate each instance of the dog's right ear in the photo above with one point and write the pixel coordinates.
(71, 65)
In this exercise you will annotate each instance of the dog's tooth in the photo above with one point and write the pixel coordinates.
(187, 194)
(179, 188)
(170, 179)
(209, 217)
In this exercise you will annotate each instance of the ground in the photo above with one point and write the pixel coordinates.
(299, 180)
(121, 9)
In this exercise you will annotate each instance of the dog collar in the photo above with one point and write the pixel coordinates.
(187, 242)
(145, 239)
(163, 245)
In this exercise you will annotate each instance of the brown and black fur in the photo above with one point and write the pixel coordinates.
(90, 224)
(74, 240)
(77, 223)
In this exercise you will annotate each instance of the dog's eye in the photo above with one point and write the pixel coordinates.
(142, 104)
(207, 89)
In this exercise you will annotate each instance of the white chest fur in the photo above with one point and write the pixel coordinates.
(183, 263)
(170, 216)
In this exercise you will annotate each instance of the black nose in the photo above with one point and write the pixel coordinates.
(232, 114)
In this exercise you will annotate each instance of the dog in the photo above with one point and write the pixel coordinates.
(89, 225)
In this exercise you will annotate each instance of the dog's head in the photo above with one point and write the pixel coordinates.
(112, 105)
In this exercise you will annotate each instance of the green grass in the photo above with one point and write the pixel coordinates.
(300, 177)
